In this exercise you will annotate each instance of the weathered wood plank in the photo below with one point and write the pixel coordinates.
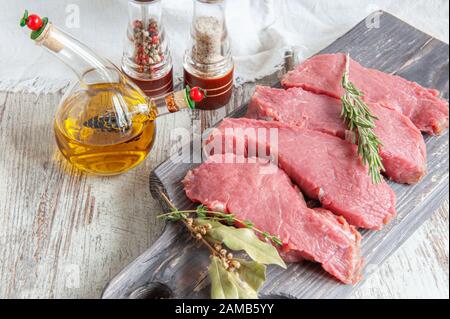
(416, 270)
(393, 47)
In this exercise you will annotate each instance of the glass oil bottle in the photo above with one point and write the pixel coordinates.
(105, 124)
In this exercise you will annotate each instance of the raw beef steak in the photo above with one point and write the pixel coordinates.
(325, 167)
(275, 205)
(403, 151)
(323, 73)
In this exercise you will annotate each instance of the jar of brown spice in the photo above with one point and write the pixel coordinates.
(208, 62)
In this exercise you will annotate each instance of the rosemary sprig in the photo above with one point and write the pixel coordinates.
(203, 213)
(360, 120)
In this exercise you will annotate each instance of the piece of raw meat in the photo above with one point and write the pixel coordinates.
(323, 73)
(275, 205)
(403, 151)
(325, 167)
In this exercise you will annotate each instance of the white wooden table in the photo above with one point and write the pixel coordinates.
(65, 235)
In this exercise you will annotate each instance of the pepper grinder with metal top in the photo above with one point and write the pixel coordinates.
(208, 61)
(146, 58)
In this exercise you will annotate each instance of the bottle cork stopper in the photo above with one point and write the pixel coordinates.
(176, 101)
(48, 39)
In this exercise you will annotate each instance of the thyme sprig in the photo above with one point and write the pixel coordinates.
(231, 277)
(176, 215)
(361, 121)
(203, 213)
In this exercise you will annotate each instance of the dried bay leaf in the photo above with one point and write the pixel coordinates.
(245, 291)
(244, 239)
(228, 285)
(253, 273)
(221, 286)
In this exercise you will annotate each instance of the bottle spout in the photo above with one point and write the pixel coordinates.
(76, 55)
(40, 31)
(155, 107)
(177, 100)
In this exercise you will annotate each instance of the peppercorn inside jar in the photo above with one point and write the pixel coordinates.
(147, 59)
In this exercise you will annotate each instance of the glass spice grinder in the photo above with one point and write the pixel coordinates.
(105, 124)
(208, 62)
(146, 57)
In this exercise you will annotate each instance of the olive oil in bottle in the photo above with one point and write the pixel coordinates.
(105, 124)
(91, 136)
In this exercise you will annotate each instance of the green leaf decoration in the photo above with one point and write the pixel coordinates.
(228, 285)
(253, 273)
(23, 21)
(187, 96)
(245, 239)
(36, 34)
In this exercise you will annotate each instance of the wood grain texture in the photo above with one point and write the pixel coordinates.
(393, 47)
(65, 235)
(410, 272)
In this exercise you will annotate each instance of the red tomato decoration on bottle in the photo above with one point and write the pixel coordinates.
(34, 22)
(197, 94)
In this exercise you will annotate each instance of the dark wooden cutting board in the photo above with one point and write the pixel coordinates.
(175, 267)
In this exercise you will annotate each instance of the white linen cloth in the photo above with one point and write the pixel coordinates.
(261, 31)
